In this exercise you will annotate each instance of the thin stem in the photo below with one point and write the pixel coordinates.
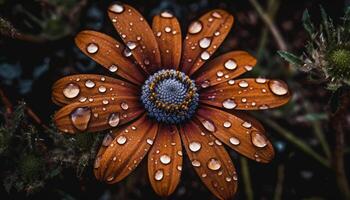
(246, 179)
(267, 20)
(279, 184)
(337, 121)
(295, 141)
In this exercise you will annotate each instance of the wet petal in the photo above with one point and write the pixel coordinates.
(225, 67)
(204, 38)
(121, 156)
(137, 35)
(211, 161)
(79, 88)
(165, 161)
(247, 94)
(98, 113)
(241, 132)
(168, 34)
(110, 54)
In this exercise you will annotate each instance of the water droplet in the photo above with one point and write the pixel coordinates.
(105, 102)
(243, 84)
(127, 52)
(114, 119)
(131, 45)
(195, 27)
(71, 90)
(263, 107)
(278, 87)
(217, 33)
(166, 14)
(219, 73)
(214, 164)
(234, 141)
(165, 159)
(179, 167)
(227, 124)
(229, 104)
(258, 139)
(107, 140)
(235, 177)
(167, 29)
(228, 179)
(92, 48)
(102, 89)
(179, 153)
(124, 106)
(159, 175)
(196, 163)
(230, 64)
(247, 124)
(195, 146)
(205, 84)
(248, 68)
(231, 82)
(216, 15)
(209, 125)
(80, 118)
(205, 55)
(82, 99)
(149, 141)
(204, 42)
(89, 84)
(116, 8)
(260, 80)
(121, 140)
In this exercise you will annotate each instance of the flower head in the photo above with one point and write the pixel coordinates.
(166, 96)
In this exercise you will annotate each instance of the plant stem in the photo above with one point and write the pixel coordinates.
(279, 184)
(267, 20)
(246, 179)
(295, 141)
(337, 121)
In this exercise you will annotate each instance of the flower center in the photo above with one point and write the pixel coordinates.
(169, 96)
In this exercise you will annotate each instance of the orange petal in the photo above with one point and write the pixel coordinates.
(241, 132)
(247, 94)
(98, 113)
(210, 160)
(225, 67)
(110, 54)
(118, 157)
(82, 86)
(165, 161)
(137, 35)
(204, 38)
(168, 34)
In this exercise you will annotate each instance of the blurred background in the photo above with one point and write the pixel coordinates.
(37, 48)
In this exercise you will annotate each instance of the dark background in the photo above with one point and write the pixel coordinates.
(29, 65)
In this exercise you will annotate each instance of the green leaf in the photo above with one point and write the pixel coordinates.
(308, 25)
(325, 22)
(291, 58)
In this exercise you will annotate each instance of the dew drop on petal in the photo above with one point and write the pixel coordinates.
(167, 29)
(165, 159)
(107, 140)
(114, 119)
(166, 14)
(116, 8)
(205, 84)
(80, 118)
(247, 124)
(258, 139)
(131, 45)
(204, 42)
(278, 87)
(124, 106)
(230, 64)
(179, 167)
(248, 68)
(121, 140)
(214, 164)
(195, 146)
(127, 52)
(205, 55)
(234, 141)
(71, 90)
(216, 15)
(149, 141)
(229, 104)
(102, 89)
(195, 27)
(231, 82)
(92, 48)
(263, 107)
(243, 84)
(89, 84)
(260, 80)
(209, 125)
(158, 176)
(196, 163)
(227, 124)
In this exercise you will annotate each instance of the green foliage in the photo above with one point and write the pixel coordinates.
(291, 58)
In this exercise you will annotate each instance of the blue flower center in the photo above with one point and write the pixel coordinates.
(170, 96)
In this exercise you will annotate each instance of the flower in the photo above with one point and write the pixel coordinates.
(164, 98)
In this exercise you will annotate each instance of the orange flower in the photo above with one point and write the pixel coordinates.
(164, 96)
